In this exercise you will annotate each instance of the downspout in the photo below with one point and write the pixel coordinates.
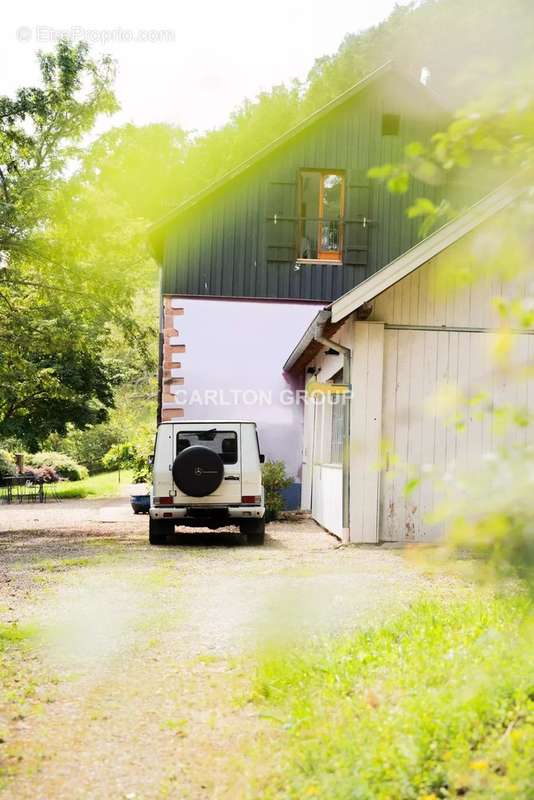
(346, 353)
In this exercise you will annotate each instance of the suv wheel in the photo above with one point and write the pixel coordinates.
(159, 529)
(254, 529)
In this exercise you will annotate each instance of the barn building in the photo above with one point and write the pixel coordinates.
(397, 339)
(247, 263)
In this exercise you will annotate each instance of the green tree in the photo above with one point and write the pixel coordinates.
(142, 168)
(71, 265)
(41, 131)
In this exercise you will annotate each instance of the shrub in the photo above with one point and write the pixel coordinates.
(119, 456)
(45, 474)
(88, 447)
(129, 455)
(64, 465)
(274, 480)
(142, 472)
(143, 449)
(7, 464)
(12, 444)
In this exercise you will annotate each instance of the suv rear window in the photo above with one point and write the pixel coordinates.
(224, 443)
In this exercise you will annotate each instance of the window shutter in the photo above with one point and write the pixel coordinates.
(357, 208)
(281, 221)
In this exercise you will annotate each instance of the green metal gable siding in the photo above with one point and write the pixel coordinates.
(229, 245)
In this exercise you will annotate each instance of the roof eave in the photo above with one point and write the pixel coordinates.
(308, 337)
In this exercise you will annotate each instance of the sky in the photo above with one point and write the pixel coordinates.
(186, 62)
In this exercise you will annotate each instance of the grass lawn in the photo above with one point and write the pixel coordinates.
(437, 704)
(105, 484)
(17, 686)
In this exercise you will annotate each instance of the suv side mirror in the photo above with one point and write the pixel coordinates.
(262, 458)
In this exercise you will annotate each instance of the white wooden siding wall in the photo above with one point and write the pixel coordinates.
(419, 300)
(418, 363)
(417, 341)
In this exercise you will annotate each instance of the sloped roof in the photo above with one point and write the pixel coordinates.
(342, 98)
(307, 347)
(408, 262)
(422, 252)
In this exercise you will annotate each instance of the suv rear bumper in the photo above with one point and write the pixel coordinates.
(218, 512)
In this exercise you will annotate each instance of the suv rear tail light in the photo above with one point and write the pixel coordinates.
(163, 501)
(251, 499)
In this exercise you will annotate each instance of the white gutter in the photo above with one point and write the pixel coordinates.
(320, 319)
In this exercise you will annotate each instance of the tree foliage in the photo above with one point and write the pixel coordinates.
(490, 139)
(76, 275)
(464, 46)
(71, 260)
(142, 168)
(488, 510)
(41, 128)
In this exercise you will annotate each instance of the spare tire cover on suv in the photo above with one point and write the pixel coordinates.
(197, 471)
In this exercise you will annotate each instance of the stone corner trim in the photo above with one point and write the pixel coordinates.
(173, 349)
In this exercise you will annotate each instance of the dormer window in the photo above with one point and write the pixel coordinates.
(322, 202)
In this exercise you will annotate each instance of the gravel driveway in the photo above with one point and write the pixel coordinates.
(141, 667)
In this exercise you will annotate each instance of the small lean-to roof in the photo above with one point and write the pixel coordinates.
(307, 346)
(408, 262)
(348, 94)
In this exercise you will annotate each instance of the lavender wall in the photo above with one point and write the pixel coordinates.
(235, 349)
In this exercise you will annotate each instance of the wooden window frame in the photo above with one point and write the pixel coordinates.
(323, 256)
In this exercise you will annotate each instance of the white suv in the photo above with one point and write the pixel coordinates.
(207, 475)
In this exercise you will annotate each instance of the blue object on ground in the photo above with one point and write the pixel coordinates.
(140, 503)
(291, 496)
